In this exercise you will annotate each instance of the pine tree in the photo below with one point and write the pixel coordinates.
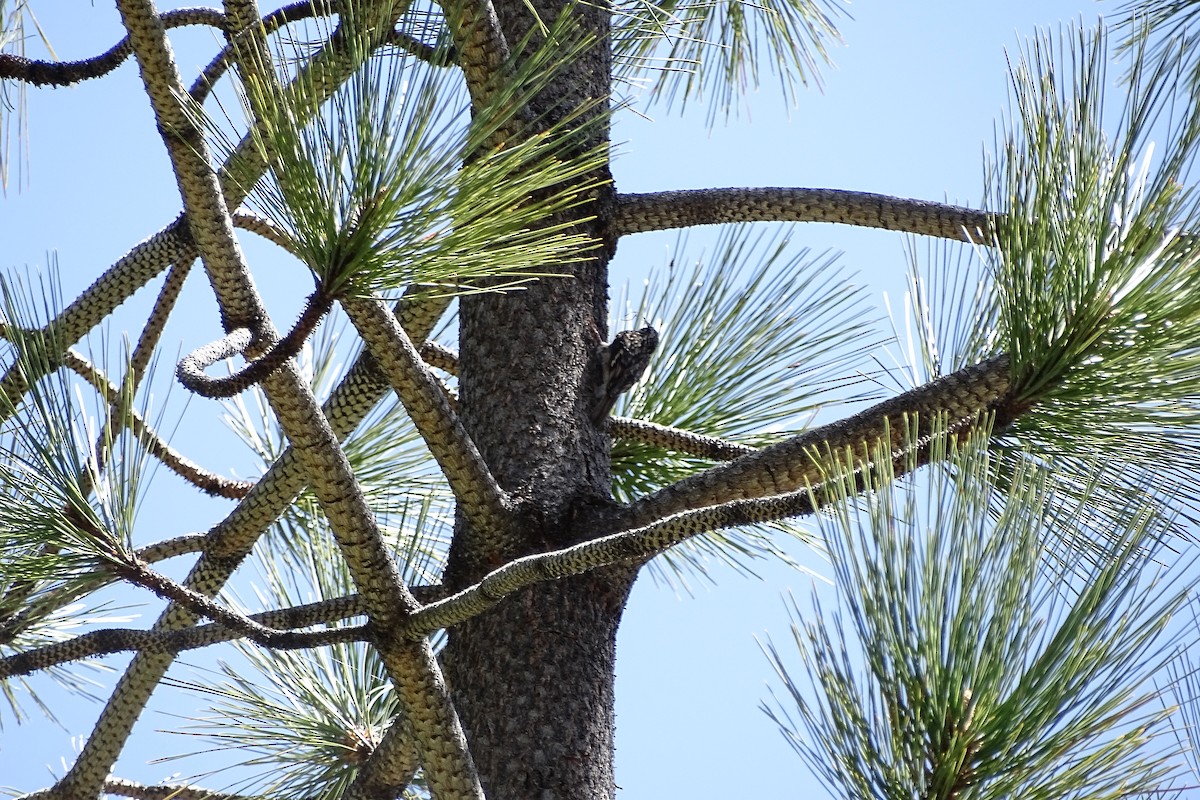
(448, 535)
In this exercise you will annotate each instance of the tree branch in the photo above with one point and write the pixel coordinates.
(172, 548)
(167, 791)
(191, 368)
(644, 542)
(29, 612)
(65, 73)
(119, 640)
(350, 518)
(440, 357)
(631, 545)
(479, 497)
(638, 213)
(208, 482)
(208, 77)
(961, 398)
(305, 9)
(173, 245)
(391, 766)
(230, 541)
(434, 56)
(481, 48)
(265, 229)
(633, 430)
(201, 605)
(676, 439)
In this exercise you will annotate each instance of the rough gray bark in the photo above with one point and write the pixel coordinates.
(533, 678)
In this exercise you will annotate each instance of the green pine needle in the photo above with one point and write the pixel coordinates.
(752, 339)
(712, 50)
(394, 182)
(1089, 281)
(408, 495)
(64, 520)
(960, 660)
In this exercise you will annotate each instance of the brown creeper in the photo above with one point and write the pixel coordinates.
(622, 363)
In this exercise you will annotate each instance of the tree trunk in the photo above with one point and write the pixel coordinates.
(533, 684)
(533, 679)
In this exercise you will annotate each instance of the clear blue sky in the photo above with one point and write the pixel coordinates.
(908, 110)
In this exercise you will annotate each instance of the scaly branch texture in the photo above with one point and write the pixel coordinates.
(118, 640)
(478, 495)
(412, 667)
(206, 481)
(139, 791)
(660, 211)
(327, 70)
(677, 440)
(634, 545)
(65, 73)
(538, 572)
(960, 398)
(771, 484)
(133, 271)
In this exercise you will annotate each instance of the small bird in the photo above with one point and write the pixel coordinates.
(622, 363)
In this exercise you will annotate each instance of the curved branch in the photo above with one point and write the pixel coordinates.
(631, 545)
(676, 439)
(120, 640)
(65, 73)
(167, 791)
(204, 480)
(208, 77)
(191, 367)
(960, 398)
(659, 211)
(232, 539)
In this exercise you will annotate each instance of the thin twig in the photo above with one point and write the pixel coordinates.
(122, 640)
(208, 482)
(169, 791)
(191, 368)
(677, 439)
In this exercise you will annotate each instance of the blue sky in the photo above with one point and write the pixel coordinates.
(909, 109)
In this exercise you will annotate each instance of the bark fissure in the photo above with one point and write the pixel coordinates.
(526, 371)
